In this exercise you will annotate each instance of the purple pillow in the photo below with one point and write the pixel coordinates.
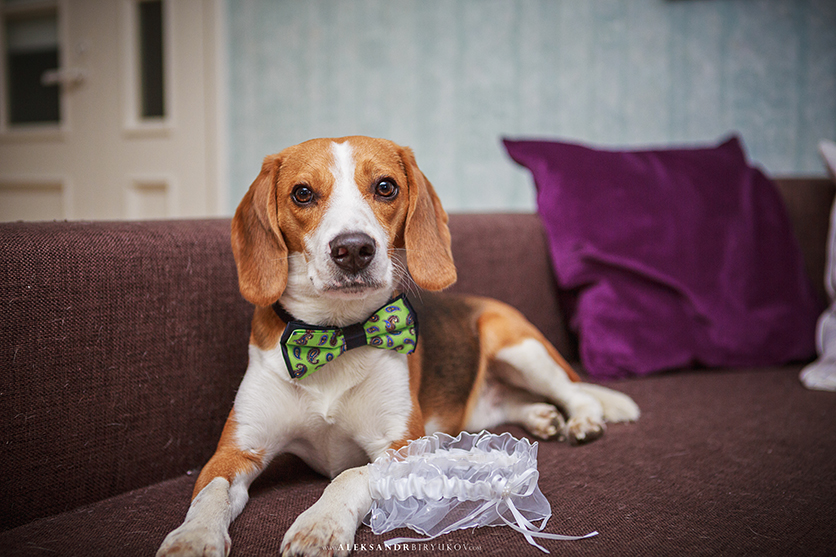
(679, 258)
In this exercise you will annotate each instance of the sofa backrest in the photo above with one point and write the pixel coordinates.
(505, 256)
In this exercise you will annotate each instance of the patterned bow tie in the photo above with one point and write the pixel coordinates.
(306, 348)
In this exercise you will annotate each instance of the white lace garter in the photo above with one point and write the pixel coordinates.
(437, 484)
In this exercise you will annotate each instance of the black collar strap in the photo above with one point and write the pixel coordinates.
(282, 313)
(285, 316)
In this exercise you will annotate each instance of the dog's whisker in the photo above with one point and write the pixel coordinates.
(288, 257)
(403, 277)
(408, 286)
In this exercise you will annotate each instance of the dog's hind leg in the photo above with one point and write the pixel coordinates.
(587, 407)
(530, 367)
(499, 403)
(523, 358)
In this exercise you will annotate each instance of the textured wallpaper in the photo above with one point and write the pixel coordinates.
(451, 77)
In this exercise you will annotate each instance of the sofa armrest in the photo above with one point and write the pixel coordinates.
(121, 348)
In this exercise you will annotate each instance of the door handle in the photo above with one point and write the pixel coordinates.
(66, 77)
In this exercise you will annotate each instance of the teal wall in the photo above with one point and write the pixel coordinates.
(450, 77)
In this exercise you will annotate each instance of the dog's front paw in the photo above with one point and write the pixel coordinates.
(195, 540)
(319, 534)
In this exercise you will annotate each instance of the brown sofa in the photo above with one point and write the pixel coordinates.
(122, 345)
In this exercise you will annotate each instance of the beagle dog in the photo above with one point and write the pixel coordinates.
(327, 234)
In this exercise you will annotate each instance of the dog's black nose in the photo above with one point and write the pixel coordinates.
(353, 251)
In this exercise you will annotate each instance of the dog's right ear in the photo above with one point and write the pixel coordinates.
(257, 244)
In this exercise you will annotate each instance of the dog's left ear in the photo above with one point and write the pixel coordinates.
(257, 243)
(426, 235)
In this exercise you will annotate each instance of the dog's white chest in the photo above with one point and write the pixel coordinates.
(343, 415)
(329, 450)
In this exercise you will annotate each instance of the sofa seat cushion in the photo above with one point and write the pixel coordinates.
(679, 257)
(741, 465)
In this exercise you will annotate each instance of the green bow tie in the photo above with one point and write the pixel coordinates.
(306, 348)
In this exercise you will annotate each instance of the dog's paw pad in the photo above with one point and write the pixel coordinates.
(544, 421)
(584, 430)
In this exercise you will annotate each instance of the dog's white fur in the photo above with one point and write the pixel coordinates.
(346, 212)
(329, 420)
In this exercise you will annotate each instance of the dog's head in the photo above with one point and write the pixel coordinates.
(334, 214)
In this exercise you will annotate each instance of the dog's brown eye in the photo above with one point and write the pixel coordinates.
(302, 194)
(387, 189)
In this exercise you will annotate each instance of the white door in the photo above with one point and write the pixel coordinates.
(109, 109)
